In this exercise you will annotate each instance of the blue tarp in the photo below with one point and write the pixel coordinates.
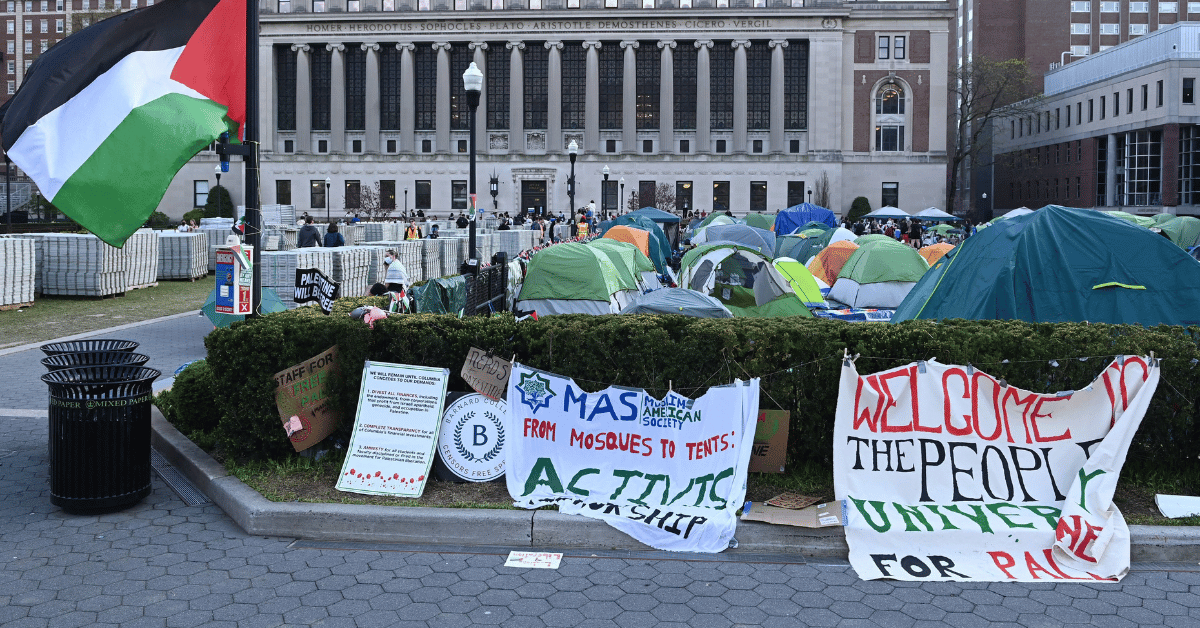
(797, 216)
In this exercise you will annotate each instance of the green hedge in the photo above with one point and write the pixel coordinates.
(797, 359)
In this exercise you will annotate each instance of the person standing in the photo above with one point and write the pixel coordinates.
(412, 231)
(396, 277)
(309, 236)
(332, 237)
(914, 234)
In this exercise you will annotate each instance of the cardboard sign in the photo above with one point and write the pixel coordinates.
(301, 395)
(818, 516)
(952, 474)
(770, 441)
(487, 373)
(395, 430)
(312, 285)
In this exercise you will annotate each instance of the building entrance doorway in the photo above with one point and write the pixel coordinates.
(533, 198)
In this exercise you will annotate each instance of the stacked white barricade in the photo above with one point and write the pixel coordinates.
(372, 231)
(18, 270)
(411, 254)
(182, 255)
(81, 265)
(278, 215)
(351, 269)
(141, 259)
(279, 269)
(353, 233)
(216, 233)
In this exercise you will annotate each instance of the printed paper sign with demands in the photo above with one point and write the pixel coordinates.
(951, 474)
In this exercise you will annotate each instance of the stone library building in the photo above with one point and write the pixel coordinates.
(746, 106)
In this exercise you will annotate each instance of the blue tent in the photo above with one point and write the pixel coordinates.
(792, 218)
(660, 245)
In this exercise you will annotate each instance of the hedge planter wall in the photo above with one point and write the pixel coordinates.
(229, 402)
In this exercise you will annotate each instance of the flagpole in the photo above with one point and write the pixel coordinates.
(250, 139)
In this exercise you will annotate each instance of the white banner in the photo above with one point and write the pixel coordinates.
(951, 474)
(670, 472)
(395, 430)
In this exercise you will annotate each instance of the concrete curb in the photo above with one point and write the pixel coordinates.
(518, 528)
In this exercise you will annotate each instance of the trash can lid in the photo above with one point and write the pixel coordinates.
(100, 382)
(93, 358)
(84, 346)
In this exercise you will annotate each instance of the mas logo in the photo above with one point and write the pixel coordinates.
(535, 391)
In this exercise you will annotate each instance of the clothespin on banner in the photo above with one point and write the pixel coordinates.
(670, 386)
(921, 366)
(1121, 359)
(970, 369)
(1003, 383)
(1152, 362)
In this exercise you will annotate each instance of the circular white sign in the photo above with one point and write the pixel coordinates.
(471, 441)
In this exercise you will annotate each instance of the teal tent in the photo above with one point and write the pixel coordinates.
(660, 246)
(270, 302)
(1061, 264)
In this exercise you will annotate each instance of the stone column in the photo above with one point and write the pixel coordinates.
(666, 98)
(554, 96)
(337, 98)
(408, 99)
(591, 132)
(372, 97)
(516, 95)
(739, 95)
(629, 99)
(303, 100)
(442, 123)
(703, 96)
(777, 90)
(1110, 172)
(480, 60)
(267, 94)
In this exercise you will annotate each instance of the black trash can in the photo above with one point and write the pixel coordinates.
(89, 346)
(61, 361)
(99, 436)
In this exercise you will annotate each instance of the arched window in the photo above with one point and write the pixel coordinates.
(890, 118)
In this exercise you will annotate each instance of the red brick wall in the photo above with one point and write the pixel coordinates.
(919, 46)
(864, 47)
(917, 106)
(1039, 172)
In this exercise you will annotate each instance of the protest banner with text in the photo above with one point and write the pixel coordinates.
(669, 472)
(951, 474)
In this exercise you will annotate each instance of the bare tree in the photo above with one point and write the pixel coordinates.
(821, 192)
(663, 199)
(986, 92)
(371, 205)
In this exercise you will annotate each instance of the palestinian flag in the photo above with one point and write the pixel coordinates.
(107, 116)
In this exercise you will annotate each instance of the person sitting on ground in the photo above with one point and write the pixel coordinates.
(309, 236)
(332, 237)
(504, 226)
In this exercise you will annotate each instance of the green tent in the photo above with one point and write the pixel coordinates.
(879, 274)
(1143, 221)
(441, 296)
(628, 259)
(573, 278)
(785, 243)
(809, 247)
(1184, 231)
(762, 221)
(1062, 264)
(872, 237)
(742, 279)
(802, 281)
(944, 230)
(813, 233)
(1161, 218)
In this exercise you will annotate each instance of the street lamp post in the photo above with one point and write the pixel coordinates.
(810, 197)
(573, 151)
(604, 194)
(494, 186)
(328, 182)
(217, 170)
(473, 84)
(405, 201)
(621, 198)
(8, 191)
